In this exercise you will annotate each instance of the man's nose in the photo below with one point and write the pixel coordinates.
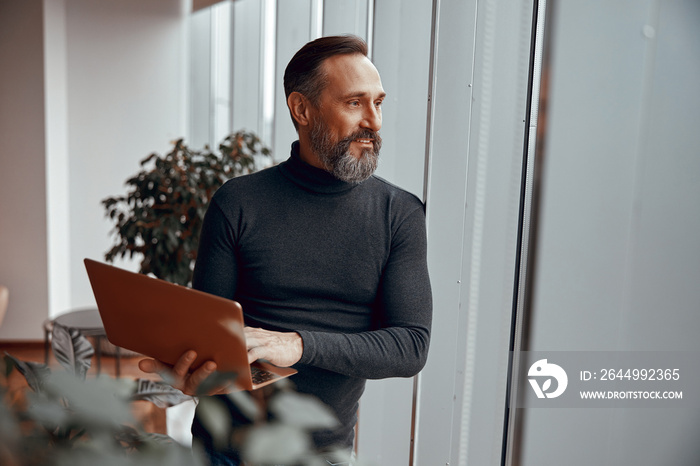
(372, 119)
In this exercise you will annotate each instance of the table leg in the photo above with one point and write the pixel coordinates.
(119, 360)
(98, 352)
(46, 346)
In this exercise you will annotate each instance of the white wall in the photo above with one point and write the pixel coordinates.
(57, 155)
(94, 87)
(127, 80)
(23, 246)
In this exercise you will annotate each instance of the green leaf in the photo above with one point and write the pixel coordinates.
(96, 403)
(303, 411)
(10, 434)
(48, 413)
(160, 394)
(149, 158)
(246, 404)
(72, 350)
(276, 444)
(129, 436)
(216, 419)
(340, 456)
(35, 373)
(158, 438)
(8, 365)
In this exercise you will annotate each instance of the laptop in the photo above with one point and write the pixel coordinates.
(163, 320)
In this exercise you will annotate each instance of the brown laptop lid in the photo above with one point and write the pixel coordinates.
(163, 320)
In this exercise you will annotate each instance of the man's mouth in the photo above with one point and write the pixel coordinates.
(364, 141)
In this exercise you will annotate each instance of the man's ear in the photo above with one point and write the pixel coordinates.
(300, 108)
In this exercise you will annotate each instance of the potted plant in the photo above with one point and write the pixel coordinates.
(161, 215)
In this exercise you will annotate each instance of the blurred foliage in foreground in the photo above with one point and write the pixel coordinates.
(67, 419)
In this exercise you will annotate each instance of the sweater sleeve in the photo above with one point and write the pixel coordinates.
(398, 347)
(216, 268)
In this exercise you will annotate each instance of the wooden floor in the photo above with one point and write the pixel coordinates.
(150, 417)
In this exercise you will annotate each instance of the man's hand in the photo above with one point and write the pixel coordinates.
(183, 380)
(282, 349)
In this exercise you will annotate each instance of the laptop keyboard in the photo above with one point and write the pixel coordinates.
(261, 375)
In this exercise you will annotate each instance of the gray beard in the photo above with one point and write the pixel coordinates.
(336, 156)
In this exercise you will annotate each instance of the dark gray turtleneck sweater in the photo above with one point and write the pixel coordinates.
(342, 264)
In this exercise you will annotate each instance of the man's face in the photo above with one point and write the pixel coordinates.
(344, 133)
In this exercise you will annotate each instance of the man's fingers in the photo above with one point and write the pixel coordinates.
(251, 336)
(152, 366)
(180, 377)
(280, 348)
(147, 365)
(254, 354)
(258, 341)
(198, 376)
(225, 389)
(182, 366)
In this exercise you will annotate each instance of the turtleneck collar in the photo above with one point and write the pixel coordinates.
(309, 177)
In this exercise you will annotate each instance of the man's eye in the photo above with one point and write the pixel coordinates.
(379, 104)
(354, 103)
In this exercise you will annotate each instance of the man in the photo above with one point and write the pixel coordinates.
(328, 261)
